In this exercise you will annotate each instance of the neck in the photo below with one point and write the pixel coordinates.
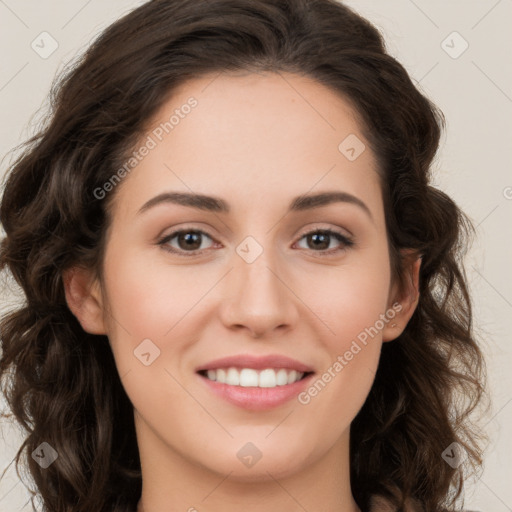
(171, 481)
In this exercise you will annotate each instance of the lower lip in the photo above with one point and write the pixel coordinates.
(255, 398)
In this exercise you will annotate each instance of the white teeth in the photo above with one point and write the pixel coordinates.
(267, 379)
(232, 377)
(248, 377)
(292, 377)
(282, 377)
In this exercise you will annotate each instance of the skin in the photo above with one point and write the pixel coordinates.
(256, 141)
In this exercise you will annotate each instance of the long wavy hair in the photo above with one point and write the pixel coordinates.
(61, 383)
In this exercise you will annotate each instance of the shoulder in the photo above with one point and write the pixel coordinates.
(380, 504)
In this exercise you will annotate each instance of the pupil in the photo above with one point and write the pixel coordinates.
(192, 240)
(323, 237)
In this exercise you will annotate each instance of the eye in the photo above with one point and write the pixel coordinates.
(187, 240)
(319, 240)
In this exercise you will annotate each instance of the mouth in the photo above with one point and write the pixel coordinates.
(253, 378)
(255, 390)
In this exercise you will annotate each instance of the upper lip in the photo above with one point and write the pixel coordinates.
(256, 362)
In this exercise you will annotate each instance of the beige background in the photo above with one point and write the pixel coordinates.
(474, 90)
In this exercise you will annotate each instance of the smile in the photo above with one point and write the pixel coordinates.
(254, 390)
(249, 377)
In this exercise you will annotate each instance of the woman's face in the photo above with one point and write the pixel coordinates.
(251, 274)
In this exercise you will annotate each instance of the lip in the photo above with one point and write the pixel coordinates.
(257, 363)
(255, 398)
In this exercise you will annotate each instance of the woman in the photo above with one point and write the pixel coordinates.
(242, 291)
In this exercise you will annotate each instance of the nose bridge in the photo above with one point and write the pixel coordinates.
(258, 298)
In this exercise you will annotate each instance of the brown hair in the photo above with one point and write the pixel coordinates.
(64, 387)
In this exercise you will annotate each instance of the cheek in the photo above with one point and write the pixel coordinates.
(149, 299)
(149, 329)
(341, 387)
(352, 306)
(347, 299)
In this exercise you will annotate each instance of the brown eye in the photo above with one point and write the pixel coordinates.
(189, 240)
(186, 240)
(320, 240)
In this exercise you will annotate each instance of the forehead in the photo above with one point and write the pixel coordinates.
(242, 136)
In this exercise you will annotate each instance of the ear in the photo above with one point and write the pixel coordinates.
(403, 297)
(84, 299)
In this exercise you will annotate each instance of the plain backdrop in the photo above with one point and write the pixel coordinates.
(457, 51)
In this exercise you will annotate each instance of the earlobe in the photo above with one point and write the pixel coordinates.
(404, 299)
(84, 299)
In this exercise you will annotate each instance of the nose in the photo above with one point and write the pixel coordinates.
(259, 298)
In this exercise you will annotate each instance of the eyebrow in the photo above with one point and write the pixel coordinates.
(216, 204)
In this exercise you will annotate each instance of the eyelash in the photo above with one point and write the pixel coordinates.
(346, 241)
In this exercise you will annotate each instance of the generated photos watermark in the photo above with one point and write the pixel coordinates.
(343, 360)
(151, 142)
